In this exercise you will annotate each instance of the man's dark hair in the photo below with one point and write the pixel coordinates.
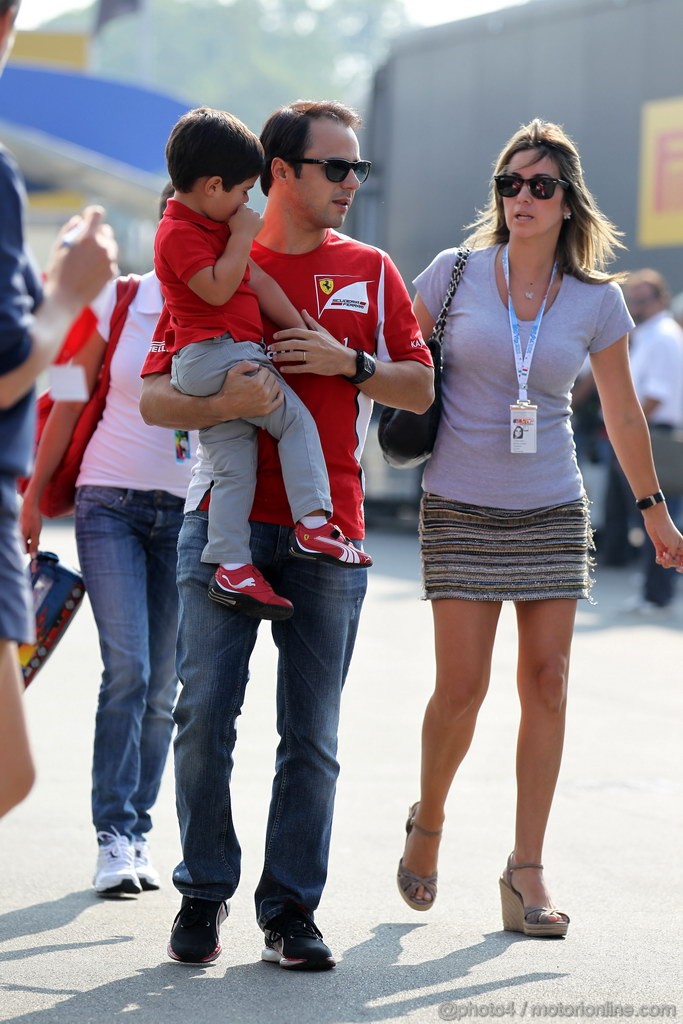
(166, 193)
(205, 143)
(286, 133)
(7, 5)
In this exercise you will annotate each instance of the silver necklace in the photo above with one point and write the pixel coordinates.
(530, 293)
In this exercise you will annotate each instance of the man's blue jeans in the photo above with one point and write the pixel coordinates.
(214, 647)
(127, 550)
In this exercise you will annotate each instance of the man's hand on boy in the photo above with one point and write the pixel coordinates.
(248, 390)
(313, 350)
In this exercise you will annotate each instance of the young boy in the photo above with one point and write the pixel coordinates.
(213, 295)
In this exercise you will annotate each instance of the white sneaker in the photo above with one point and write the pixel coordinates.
(115, 872)
(145, 870)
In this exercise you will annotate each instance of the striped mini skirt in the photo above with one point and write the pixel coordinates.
(495, 554)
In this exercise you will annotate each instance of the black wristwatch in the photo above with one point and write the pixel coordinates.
(652, 499)
(366, 365)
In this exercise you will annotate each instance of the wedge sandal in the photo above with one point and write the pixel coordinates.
(528, 920)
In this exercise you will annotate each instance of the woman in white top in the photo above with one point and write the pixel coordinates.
(504, 515)
(129, 509)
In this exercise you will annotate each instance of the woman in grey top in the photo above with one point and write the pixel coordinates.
(504, 514)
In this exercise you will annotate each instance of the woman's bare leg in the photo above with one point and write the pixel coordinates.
(545, 636)
(464, 632)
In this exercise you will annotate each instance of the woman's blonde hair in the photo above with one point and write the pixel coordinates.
(588, 240)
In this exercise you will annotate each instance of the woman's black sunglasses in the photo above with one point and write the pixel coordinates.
(338, 170)
(541, 186)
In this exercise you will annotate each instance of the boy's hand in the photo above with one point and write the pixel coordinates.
(246, 223)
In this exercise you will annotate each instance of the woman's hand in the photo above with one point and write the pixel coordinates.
(667, 541)
(30, 524)
(312, 351)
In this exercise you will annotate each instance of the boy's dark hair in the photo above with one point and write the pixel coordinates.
(286, 133)
(7, 5)
(206, 142)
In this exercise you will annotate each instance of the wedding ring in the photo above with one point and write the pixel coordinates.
(304, 355)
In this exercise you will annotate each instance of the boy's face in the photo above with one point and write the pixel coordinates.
(222, 204)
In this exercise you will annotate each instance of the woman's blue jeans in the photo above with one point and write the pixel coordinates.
(214, 647)
(127, 544)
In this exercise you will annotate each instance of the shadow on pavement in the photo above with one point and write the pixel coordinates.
(369, 985)
(52, 915)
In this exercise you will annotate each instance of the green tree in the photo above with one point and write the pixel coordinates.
(248, 56)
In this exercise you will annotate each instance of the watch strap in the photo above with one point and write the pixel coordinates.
(652, 499)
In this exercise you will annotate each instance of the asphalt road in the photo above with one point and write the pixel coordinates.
(613, 855)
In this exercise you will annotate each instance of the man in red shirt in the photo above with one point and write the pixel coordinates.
(362, 344)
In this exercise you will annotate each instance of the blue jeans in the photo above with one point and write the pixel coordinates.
(214, 647)
(127, 550)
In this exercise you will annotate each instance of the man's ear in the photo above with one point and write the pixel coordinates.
(279, 169)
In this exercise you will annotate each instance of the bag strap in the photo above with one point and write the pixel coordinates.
(126, 290)
(458, 270)
(79, 332)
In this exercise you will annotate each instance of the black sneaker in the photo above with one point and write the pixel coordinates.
(195, 936)
(293, 941)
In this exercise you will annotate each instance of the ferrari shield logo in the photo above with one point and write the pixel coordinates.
(341, 292)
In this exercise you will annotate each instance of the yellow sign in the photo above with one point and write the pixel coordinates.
(660, 220)
(53, 49)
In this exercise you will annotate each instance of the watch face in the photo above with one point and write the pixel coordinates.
(367, 365)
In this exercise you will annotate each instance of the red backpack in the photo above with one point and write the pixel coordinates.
(58, 497)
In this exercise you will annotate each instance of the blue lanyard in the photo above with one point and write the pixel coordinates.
(523, 362)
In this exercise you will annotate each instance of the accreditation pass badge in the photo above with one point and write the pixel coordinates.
(182, 445)
(523, 428)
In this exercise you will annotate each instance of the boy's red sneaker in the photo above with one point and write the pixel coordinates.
(247, 591)
(327, 544)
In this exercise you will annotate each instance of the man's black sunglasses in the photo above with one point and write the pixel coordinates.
(338, 170)
(541, 186)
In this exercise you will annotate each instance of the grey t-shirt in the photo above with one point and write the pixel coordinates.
(472, 461)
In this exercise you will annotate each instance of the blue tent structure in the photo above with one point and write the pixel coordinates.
(71, 130)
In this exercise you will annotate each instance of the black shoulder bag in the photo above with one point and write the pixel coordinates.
(407, 438)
